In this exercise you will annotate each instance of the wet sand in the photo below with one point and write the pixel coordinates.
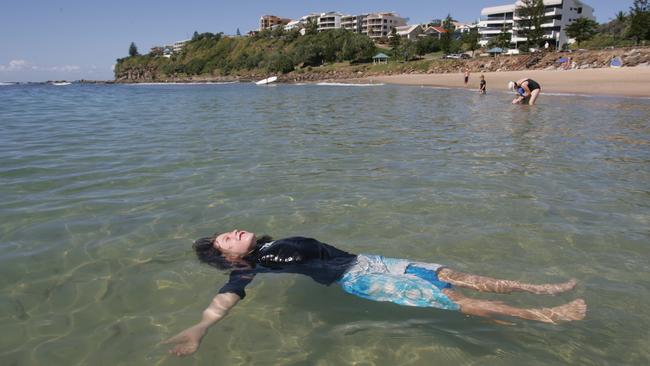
(631, 82)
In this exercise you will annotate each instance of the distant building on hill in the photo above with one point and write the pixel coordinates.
(157, 51)
(378, 25)
(178, 45)
(410, 32)
(374, 25)
(464, 28)
(169, 49)
(353, 22)
(559, 14)
(270, 21)
(434, 31)
(330, 20)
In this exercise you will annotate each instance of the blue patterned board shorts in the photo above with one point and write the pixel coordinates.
(400, 281)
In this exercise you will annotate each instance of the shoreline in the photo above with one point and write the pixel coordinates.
(628, 82)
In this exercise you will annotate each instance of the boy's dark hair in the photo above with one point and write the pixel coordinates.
(207, 253)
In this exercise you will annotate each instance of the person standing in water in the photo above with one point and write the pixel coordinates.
(528, 89)
(482, 86)
(373, 277)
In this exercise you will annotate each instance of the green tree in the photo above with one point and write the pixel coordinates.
(469, 40)
(308, 52)
(195, 36)
(407, 50)
(133, 50)
(311, 27)
(502, 40)
(357, 48)
(279, 62)
(426, 45)
(278, 32)
(639, 21)
(394, 39)
(615, 28)
(531, 14)
(447, 36)
(582, 29)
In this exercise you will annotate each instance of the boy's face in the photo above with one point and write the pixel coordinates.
(235, 244)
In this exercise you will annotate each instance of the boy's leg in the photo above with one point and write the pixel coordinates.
(533, 96)
(488, 284)
(575, 310)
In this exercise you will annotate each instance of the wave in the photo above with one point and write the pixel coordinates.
(557, 94)
(185, 83)
(347, 84)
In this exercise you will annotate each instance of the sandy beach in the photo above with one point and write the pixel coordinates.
(631, 82)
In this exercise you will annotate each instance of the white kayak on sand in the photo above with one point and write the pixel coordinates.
(267, 80)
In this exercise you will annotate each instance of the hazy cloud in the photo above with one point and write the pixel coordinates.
(14, 65)
(64, 68)
(18, 65)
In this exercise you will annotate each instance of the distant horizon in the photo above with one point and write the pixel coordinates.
(43, 41)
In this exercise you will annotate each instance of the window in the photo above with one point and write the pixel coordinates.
(579, 10)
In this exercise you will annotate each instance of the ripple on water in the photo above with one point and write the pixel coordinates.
(105, 187)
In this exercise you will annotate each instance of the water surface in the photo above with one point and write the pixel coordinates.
(104, 187)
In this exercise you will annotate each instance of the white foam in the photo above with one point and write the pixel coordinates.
(347, 84)
(183, 83)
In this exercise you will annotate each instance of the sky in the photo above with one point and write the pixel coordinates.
(81, 39)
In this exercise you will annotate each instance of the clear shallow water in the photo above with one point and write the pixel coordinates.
(104, 188)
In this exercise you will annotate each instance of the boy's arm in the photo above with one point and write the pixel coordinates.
(188, 341)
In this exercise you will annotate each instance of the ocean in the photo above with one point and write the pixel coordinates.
(104, 188)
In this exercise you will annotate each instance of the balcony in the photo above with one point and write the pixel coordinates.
(553, 12)
(496, 18)
(488, 31)
(554, 23)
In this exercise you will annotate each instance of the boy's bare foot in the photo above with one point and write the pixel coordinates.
(575, 310)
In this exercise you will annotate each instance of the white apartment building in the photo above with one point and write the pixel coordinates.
(559, 14)
(302, 22)
(329, 20)
(378, 25)
(353, 22)
(177, 46)
(374, 25)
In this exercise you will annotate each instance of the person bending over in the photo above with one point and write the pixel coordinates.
(528, 89)
(372, 277)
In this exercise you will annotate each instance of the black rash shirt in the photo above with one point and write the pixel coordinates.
(324, 263)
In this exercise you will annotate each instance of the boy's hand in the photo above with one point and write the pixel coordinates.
(187, 341)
